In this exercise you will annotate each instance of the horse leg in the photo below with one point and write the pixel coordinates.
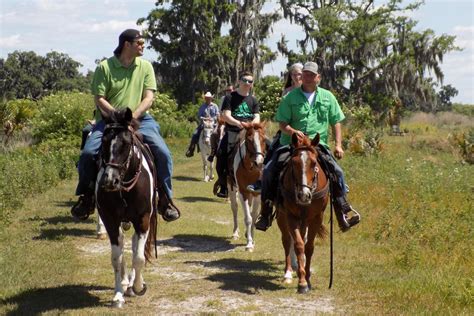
(299, 248)
(100, 230)
(245, 200)
(211, 169)
(204, 167)
(287, 242)
(235, 207)
(308, 250)
(138, 261)
(116, 241)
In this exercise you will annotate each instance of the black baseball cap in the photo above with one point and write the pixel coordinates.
(128, 35)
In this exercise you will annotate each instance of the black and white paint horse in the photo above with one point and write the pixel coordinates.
(125, 192)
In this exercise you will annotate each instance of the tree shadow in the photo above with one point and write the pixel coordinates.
(40, 301)
(184, 178)
(244, 276)
(198, 243)
(61, 233)
(193, 199)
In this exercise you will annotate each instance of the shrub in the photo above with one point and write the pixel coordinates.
(62, 115)
(465, 142)
(268, 93)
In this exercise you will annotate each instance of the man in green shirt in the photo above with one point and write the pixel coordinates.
(125, 80)
(308, 110)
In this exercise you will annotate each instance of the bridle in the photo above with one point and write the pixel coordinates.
(123, 167)
(313, 186)
(252, 153)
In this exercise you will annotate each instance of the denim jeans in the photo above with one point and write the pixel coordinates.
(275, 165)
(150, 130)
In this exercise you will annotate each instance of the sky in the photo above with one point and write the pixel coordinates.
(87, 30)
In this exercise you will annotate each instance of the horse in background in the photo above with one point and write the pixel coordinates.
(205, 147)
(125, 192)
(303, 191)
(247, 166)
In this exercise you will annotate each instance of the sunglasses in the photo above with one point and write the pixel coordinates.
(139, 42)
(246, 81)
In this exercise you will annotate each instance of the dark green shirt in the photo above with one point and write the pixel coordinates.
(311, 119)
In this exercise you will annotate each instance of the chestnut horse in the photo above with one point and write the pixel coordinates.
(304, 192)
(247, 167)
(125, 192)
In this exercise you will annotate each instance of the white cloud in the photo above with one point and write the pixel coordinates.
(10, 41)
(112, 25)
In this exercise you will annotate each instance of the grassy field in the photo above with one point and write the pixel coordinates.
(411, 254)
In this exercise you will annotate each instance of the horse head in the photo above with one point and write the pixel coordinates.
(304, 168)
(255, 142)
(208, 125)
(117, 148)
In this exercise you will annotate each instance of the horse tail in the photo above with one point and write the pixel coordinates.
(151, 240)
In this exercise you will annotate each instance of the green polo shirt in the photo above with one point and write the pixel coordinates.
(311, 119)
(123, 87)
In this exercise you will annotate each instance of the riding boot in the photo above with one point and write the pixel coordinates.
(346, 215)
(264, 220)
(166, 208)
(190, 151)
(84, 206)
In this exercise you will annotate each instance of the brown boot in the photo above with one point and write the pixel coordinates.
(190, 151)
(346, 216)
(166, 208)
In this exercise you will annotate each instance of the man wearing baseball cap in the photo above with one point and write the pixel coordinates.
(125, 80)
(308, 110)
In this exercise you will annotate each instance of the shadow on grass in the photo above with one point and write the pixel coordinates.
(244, 276)
(40, 301)
(60, 234)
(197, 243)
(193, 199)
(67, 204)
(184, 178)
(68, 219)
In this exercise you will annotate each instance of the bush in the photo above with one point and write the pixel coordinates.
(465, 143)
(62, 115)
(268, 93)
(19, 112)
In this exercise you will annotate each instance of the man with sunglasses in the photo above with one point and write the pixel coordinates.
(308, 110)
(125, 80)
(239, 106)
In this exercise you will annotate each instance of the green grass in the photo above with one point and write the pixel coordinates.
(411, 253)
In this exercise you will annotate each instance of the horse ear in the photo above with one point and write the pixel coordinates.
(315, 140)
(294, 139)
(128, 115)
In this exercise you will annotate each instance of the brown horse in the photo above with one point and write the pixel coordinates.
(247, 167)
(304, 192)
(125, 192)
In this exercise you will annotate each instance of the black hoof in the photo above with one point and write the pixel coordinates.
(142, 292)
(303, 289)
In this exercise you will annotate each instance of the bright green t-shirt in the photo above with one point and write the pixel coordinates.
(123, 87)
(311, 119)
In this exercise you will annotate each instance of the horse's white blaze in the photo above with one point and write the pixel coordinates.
(305, 189)
(258, 148)
(111, 172)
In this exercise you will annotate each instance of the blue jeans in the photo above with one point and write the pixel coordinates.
(275, 165)
(150, 130)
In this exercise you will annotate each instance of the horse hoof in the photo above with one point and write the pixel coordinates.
(142, 292)
(303, 289)
(101, 236)
(249, 248)
(129, 292)
(287, 280)
(118, 304)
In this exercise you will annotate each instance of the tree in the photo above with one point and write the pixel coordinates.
(362, 49)
(194, 56)
(445, 94)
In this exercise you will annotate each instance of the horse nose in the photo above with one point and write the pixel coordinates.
(305, 196)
